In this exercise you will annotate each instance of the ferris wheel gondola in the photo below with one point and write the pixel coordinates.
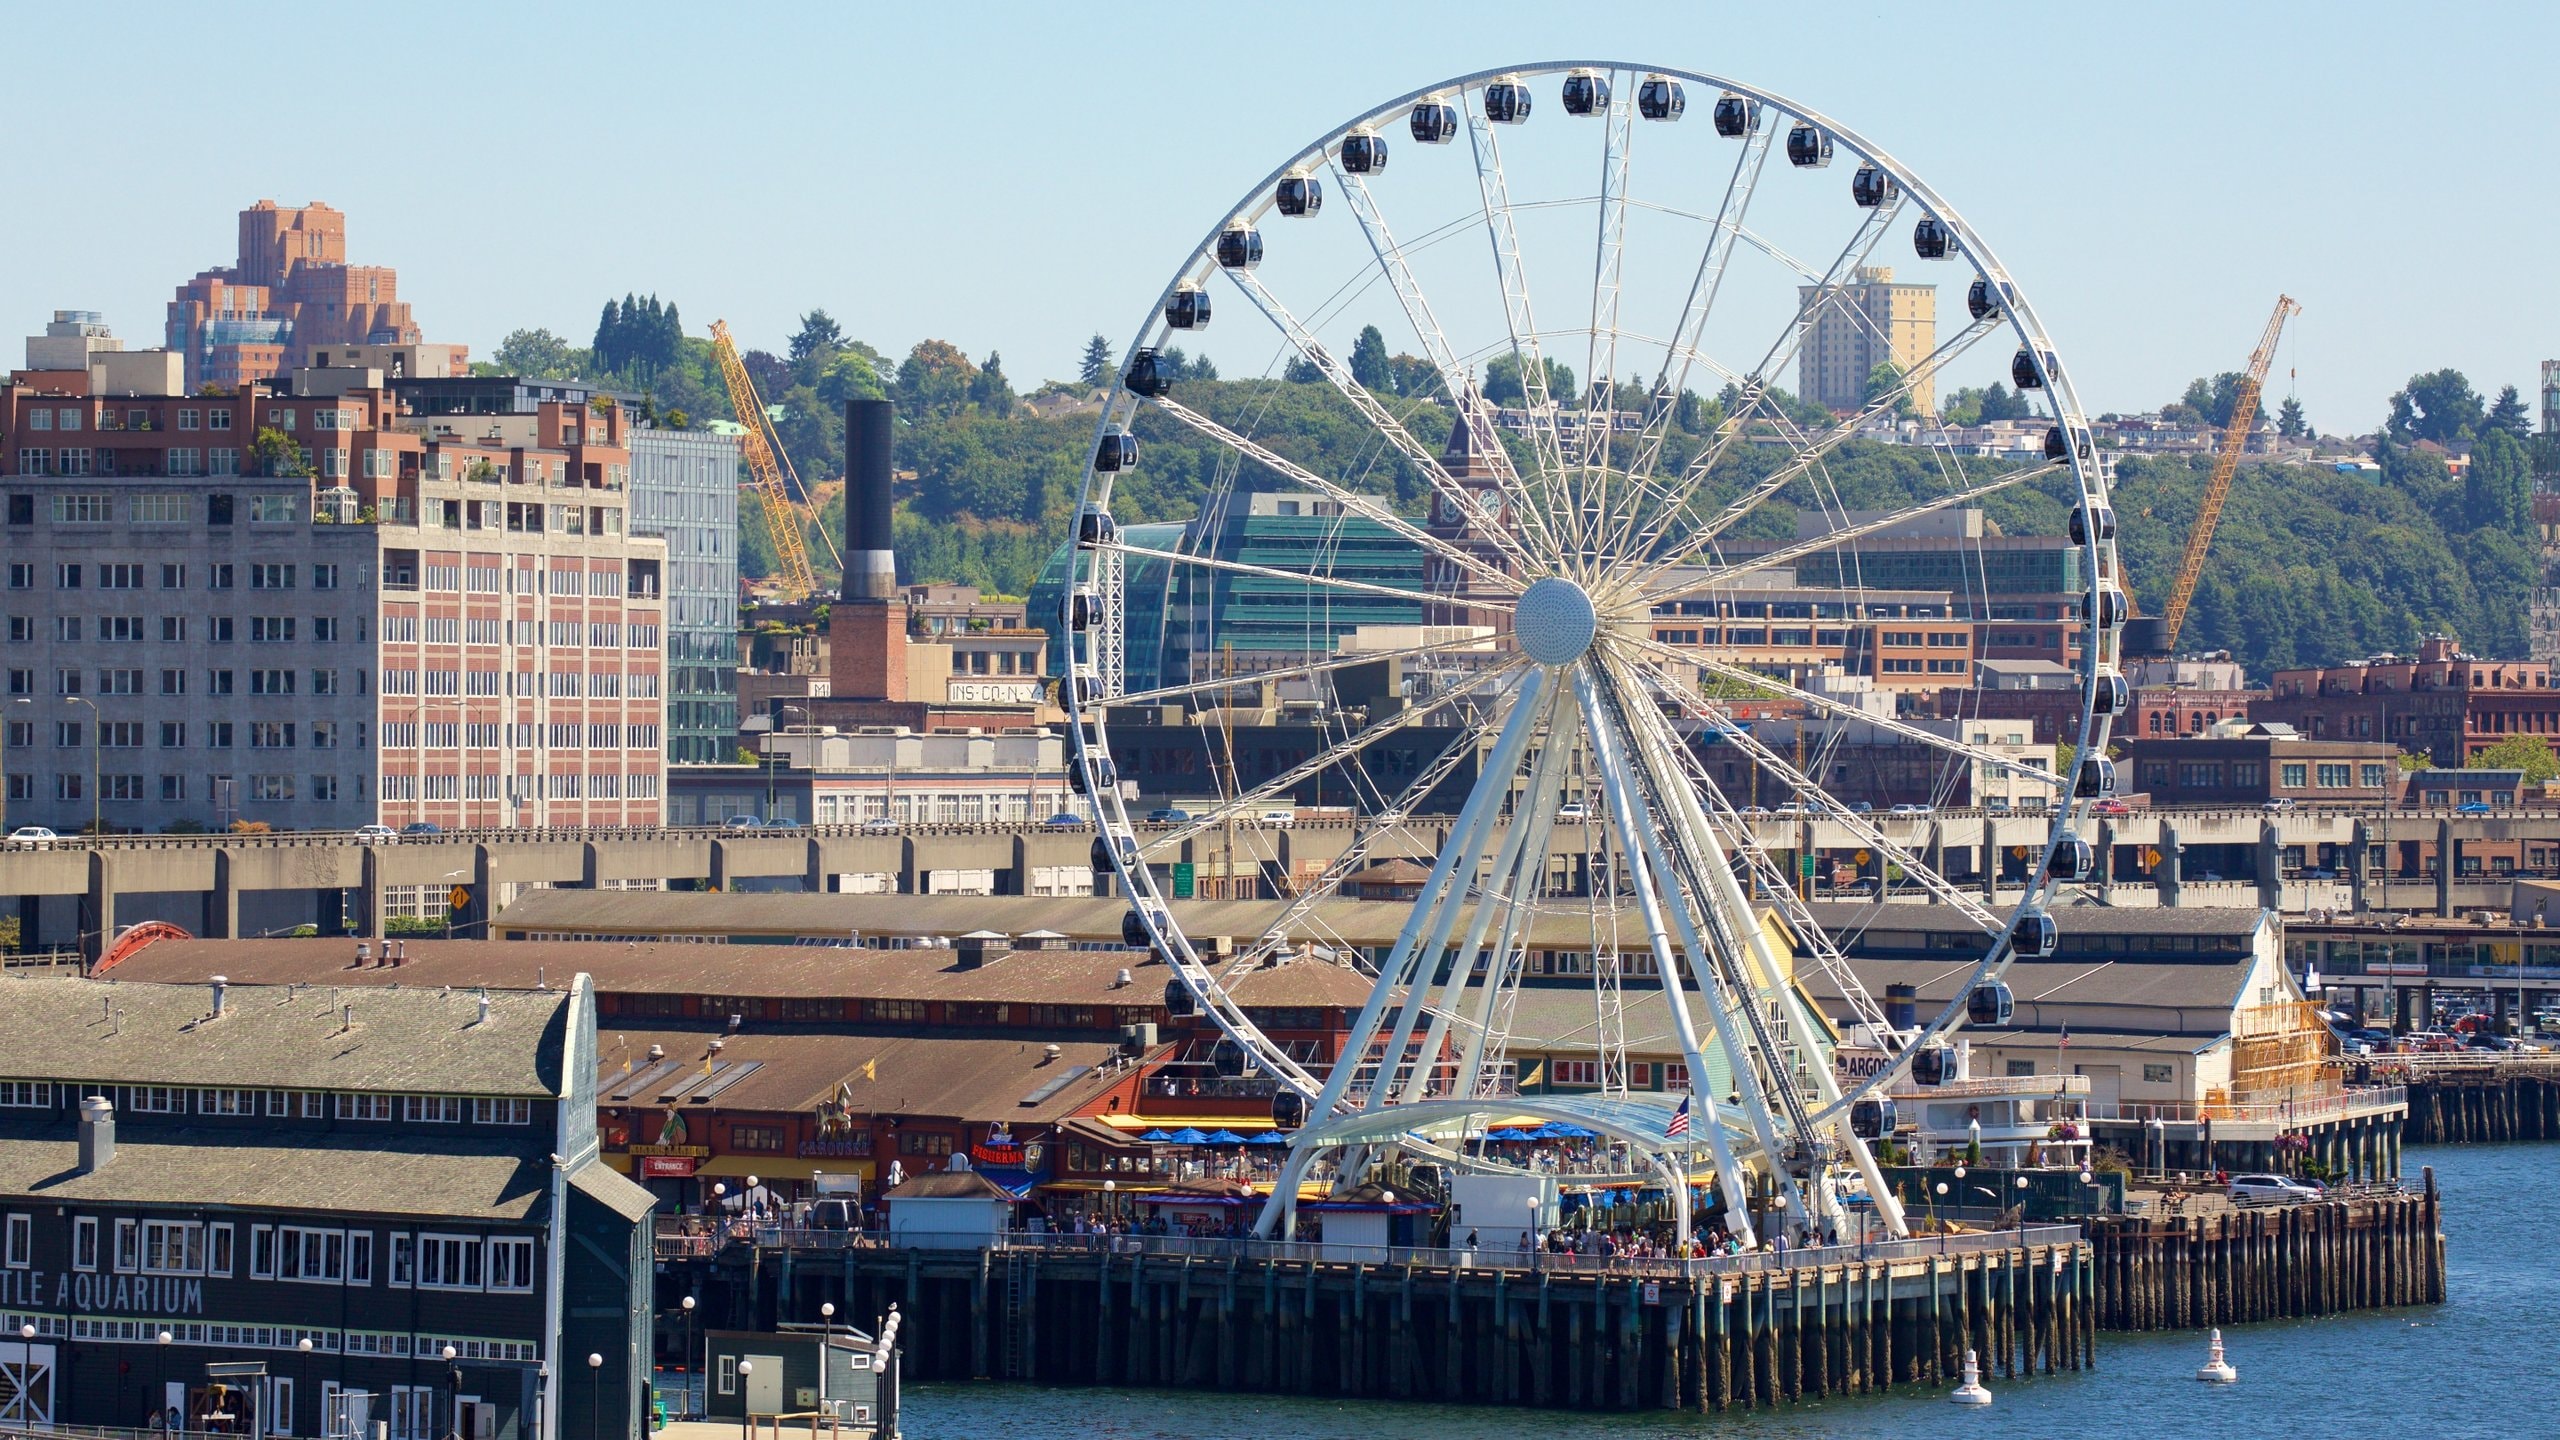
(1547, 700)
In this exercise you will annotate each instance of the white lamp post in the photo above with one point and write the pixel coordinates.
(595, 1393)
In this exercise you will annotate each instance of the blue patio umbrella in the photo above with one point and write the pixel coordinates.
(1224, 1137)
(1155, 1137)
(1188, 1136)
(1269, 1137)
(1506, 1134)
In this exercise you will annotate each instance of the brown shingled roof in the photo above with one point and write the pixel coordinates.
(982, 1080)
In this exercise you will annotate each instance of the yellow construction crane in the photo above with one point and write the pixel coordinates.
(776, 482)
(2163, 640)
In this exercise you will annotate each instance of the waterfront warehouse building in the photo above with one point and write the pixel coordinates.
(329, 1188)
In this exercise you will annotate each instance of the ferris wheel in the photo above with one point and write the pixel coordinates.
(1503, 592)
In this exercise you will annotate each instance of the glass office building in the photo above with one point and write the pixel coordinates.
(684, 489)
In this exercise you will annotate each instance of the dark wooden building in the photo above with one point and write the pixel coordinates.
(391, 1199)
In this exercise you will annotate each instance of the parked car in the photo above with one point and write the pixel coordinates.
(377, 834)
(1571, 814)
(1277, 819)
(2489, 1040)
(422, 827)
(880, 825)
(2110, 807)
(1168, 815)
(2261, 1189)
(2278, 804)
(1063, 820)
(1910, 809)
(1861, 807)
(32, 837)
(782, 822)
(2472, 807)
(742, 822)
(1995, 805)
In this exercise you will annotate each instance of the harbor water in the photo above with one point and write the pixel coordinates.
(2479, 1365)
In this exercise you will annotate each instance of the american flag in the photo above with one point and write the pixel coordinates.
(2066, 1037)
(1678, 1124)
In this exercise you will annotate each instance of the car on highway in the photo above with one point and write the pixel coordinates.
(2110, 807)
(1063, 820)
(32, 837)
(377, 834)
(1911, 810)
(1168, 815)
(422, 827)
(782, 822)
(1278, 819)
(1861, 807)
(2278, 805)
(2262, 1189)
(880, 825)
(742, 822)
(1571, 814)
(2472, 807)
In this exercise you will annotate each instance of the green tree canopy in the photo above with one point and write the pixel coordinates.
(1095, 367)
(1369, 363)
(2509, 415)
(1883, 380)
(2439, 406)
(2289, 421)
(819, 335)
(2526, 752)
(537, 353)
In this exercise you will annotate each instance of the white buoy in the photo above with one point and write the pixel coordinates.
(2216, 1370)
(1971, 1391)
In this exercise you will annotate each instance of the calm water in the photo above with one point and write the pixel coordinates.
(2485, 1363)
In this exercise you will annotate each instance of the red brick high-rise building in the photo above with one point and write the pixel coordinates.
(289, 295)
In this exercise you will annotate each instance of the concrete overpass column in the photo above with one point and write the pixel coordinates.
(98, 909)
(2446, 856)
(590, 866)
(222, 901)
(484, 895)
(2270, 866)
(720, 865)
(1020, 851)
(813, 875)
(371, 911)
(2169, 874)
(1990, 858)
(2106, 859)
(910, 874)
(1933, 849)
(2359, 840)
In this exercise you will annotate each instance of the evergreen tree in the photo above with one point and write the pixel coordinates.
(1369, 363)
(989, 390)
(2289, 421)
(1095, 368)
(817, 340)
(2497, 489)
(2509, 415)
(1302, 371)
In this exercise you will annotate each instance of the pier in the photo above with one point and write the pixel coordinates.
(2472, 1097)
(1440, 1325)
(2225, 1264)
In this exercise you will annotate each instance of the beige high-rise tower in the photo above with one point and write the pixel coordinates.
(1872, 321)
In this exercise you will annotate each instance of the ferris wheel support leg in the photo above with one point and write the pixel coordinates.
(1644, 854)
(1364, 1027)
(1563, 733)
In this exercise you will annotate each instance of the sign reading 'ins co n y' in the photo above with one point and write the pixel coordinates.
(128, 1294)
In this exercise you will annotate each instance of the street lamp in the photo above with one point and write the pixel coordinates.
(453, 1388)
(826, 1349)
(161, 1349)
(97, 724)
(686, 1369)
(595, 1393)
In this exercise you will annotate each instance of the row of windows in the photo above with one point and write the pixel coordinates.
(311, 1255)
(65, 418)
(179, 629)
(638, 785)
(129, 681)
(284, 1104)
(127, 575)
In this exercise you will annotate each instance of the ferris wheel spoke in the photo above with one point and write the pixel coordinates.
(1295, 577)
(1389, 428)
(1608, 279)
(1682, 352)
(1493, 190)
(1365, 506)
(1330, 756)
(1780, 689)
(1340, 661)
(1808, 453)
(1456, 377)
(1723, 576)
(1830, 808)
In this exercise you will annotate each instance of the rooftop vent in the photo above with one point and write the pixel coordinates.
(221, 983)
(97, 1133)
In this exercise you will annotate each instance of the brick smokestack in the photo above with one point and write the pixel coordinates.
(870, 555)
(867, 628)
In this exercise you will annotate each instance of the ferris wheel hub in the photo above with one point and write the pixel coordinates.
(1555, 621)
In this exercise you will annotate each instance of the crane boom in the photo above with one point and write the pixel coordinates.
(2235, 438)
(765, 461)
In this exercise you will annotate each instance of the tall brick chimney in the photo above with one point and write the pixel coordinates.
(867, 628)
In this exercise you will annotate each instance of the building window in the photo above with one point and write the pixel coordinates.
(226, 1102)
(128, 1247)
(359, 1257)
(315, 1257)
(511, 1265)
(448, 1262)
(431, 1109)
(728, 1374)
(20, 1245)
(404, 1261)
(26, 1094)
(2021, 1067)
(84, 1243)
(156, 1100)
(364, 1107)
(2296, 773)
(501, 1112)
(172, 1248)
(262, 1251)
(764, 1139)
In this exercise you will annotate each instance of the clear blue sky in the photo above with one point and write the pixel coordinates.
(1019, 177)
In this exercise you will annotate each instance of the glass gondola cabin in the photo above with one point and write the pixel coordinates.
(1096, 527)
(1177, 996)
(1363, 153)
(1808, 147)
(1288, 1109)
(1931, 239)
(1434, 122)
(1871, 187)
(1989, 1004)
(1188, 309)
(1146, 374)
(2114, 696)
(1095, 774)
(1935, 1065)
(2073, 861)
(1586, 93)
(1736, 115)
(2036, 938)
(1117, 451)
(1506, 102)
(2097, 779)
(1239, 247)
(1984, 299)
(2026, 372)
(1661, 98)
(1872, 1119)
(2106, 606)
(1298, 195)
(2093, 522)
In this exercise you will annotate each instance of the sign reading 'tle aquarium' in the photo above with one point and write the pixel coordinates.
(102, 1294)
